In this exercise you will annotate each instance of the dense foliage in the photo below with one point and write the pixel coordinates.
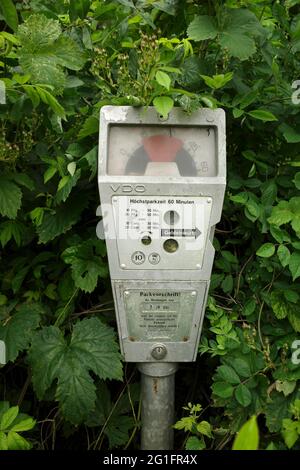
(59, 63)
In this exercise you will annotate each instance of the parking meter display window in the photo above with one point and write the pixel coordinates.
(162, 151)
(159, 315)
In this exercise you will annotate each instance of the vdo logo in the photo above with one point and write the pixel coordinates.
(128, 188)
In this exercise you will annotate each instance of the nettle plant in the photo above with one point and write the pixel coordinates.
(59, 63)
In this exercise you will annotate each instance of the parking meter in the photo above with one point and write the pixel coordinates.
(162, 185)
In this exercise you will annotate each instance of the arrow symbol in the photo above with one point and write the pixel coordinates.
(181, 232)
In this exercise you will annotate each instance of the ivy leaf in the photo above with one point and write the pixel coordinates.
(163, 105)
(243, 395)
(266, 250)
(86, 263)
(10, 198)
(248, 436)
(18, 330)
(92, 348)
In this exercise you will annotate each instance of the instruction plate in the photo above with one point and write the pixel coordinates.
(160, 314)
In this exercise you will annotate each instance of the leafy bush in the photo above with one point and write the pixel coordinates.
(60, 62)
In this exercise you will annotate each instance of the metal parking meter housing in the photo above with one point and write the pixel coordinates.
(162, 185)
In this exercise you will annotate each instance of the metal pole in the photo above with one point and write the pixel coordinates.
(157, 395)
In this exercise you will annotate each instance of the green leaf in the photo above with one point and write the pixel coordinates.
(111, 415)
(10, 198)
(217, 81)
(62, 220)
(11, 229)
(24, 425)
(248, 436)
(249, 307)
(286, 387)
(266, 250)
(186, 423)
(294, 319)
(49, 99)
(281, 214)
(71, 168)
(290, 134)
(163, 79)
(228, 374)
(22, 179)
(45, 51)
(222, 389)
(294, 265)
(284, 255)
(241, 366)
(291, 296)
(290, 432)
(92, 348)
(227, 283)
(279, 305)
(18, 330)
(78, 9)
(86, 263)
(194, 443)
(243, 395)
(90, 126)
(262, 115)
(49, 173)
(64, 188)
(3, 441)
(202, 27)
(9, 13)
(64, 180)
(163, 105)
(17, 442)
(8, 417)
(238, 45)
(204, 428)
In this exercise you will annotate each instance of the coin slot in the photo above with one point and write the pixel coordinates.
(170, 245)
(171, 217)
(146, 240)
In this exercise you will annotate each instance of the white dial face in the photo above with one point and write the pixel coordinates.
(162, 150)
